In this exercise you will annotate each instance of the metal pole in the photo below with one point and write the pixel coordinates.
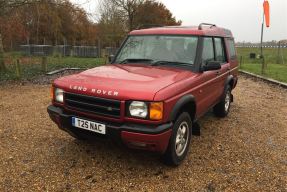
(261, 48)
(262, 30)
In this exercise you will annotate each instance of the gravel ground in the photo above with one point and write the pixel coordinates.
(247, 151)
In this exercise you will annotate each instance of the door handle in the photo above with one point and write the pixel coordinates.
(218, 72)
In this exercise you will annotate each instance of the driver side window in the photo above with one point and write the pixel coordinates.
(208, 50)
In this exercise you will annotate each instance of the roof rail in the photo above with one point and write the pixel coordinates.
(201, 24)
(147, 26)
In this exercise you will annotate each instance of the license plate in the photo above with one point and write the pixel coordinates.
(89, 125)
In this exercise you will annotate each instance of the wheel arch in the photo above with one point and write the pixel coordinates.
(186, 103)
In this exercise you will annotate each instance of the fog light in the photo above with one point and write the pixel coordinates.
(138, 144)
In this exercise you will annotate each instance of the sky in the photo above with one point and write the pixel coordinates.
(242, 17)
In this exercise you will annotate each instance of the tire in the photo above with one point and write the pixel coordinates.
(176, 151)
(222, 108)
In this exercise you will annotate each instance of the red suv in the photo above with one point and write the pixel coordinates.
(160, 82)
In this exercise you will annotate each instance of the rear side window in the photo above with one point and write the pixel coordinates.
(232, 51)
(208, 50)
(219, 50)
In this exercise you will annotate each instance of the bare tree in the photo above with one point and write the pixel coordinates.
(111, 24)
(128, 9)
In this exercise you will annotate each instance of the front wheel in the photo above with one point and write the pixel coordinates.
(223, 107)
(180, 140)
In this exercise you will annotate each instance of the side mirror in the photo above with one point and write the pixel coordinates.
(111, 58)
(212, 66)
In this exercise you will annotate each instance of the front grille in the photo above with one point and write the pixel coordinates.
(94, 105)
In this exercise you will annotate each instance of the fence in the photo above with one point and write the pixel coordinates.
(271, 55)
(67, 50)
(264, 46)
(37, 50)
(274, 60)
(23, 67)
(63, 50)
(85, 51)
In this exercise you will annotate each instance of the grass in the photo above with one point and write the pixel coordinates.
(270, 54)
(275, 67)
(31, 67)
(274, 71)
(56, 63)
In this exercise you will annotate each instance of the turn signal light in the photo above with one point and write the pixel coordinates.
(156, 111)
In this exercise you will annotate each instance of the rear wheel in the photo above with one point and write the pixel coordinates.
(223, 107)
(180, 140)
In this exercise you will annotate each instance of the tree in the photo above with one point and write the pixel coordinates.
(46, 21)
(158, 14)
(5, 7)
(112, 24)
(118, 17)
(128, 9)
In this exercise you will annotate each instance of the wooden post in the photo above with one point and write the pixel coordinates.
(278, 54)
(240, 64)
(18, 69)
(99, 48)
(282, 56)
(263, 69)
(2, 64)
(44, 64)
(64, 54)
(106, 58)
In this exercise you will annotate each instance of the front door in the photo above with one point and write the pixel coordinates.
(208, 90)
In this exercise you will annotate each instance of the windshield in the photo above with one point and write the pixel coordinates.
(154, 49)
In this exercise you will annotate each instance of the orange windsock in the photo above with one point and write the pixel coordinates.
(267, 12)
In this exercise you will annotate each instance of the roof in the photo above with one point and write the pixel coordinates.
(201, 30)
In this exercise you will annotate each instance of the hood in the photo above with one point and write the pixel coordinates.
(123, 82)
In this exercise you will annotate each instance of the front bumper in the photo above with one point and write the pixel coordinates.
(148, 137)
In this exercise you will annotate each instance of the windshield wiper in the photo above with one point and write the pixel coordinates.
(135, 60)
(157, 63)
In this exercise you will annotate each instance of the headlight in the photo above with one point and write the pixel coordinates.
(59, 95)
(138, 109)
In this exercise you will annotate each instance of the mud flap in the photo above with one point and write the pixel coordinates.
(196, 129)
